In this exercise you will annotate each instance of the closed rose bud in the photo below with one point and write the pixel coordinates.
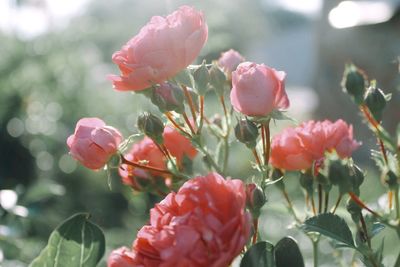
(255, 199)
(217, 79)
(168, 97)
(163, 47)
(354, 82)
(257, 90)
(354, 209)
(229, 61)
(93, 142)
(247, 132)
(151, 126)
(121, 257)
(375, 100)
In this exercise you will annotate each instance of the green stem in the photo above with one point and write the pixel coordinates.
(208, 156)
(290, 205)
(315, 250)
(226, 135)
(226, 155)
(397, 202)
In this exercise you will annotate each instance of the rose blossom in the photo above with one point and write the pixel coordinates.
(203, 224)
(229, 60)
(121, 257)
(162, 48)
(257, 89)
(147, 152)
(297, 148)
(93, 143)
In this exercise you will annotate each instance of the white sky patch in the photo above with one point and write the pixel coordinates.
(306, 7)
(28, 20)
(351, 13)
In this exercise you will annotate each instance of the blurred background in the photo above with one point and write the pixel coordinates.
(54, 59)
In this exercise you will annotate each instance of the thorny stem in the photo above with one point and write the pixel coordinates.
(365, 230)
(171, 119)
(145, 167)
(337, 203)
(190, 102)
(319, 198)
(185, 117)
(360, 203)
(255, 225)
(375, 125)
(290, 205)
(326, 202)
(201, 113)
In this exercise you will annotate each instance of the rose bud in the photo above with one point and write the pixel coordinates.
(247, 132)
(168, 97)
(257, 90)
(163, 47)
(217, 79)
(151, 126)
(354, 82)
(203, 224)
(255, 199)
(229, 61)
(375, 100)
(121, 257)
(93, 142)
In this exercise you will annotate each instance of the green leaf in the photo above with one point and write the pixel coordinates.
(332, 226)
(260, 254)
(76, 242)
(287, 253)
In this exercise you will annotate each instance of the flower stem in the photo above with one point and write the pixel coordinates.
(319, 198)
(201, 114)
(145, 167)
(190, 102)
(326, 202)
(210, 159)
(315, 250)
(185, 117)
(171, 119)
(226, 134)
(337, 203)
(290, 205)
(365, 230)
(360, 203)
(255, 225)
(397, 202)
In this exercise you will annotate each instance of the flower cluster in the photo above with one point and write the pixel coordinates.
(297, 148)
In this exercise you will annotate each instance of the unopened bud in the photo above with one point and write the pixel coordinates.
(354, 83)
(151, 126)
(168, 97)
(255, 198)
(376, 102)
(247, 132)
(391, 180)
(354, 209)
(201, 79)
(217, 79)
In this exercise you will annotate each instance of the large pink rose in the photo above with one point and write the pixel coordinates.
(121, 257)
(257, 89)
(288, 151)
(297, 148)
(229, 61)
(93, 143)
(203, 224)
(162, 48)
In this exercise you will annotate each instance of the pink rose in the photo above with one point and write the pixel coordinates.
(340, 138)
(146, 152)
(297, 148)
(121, 257)
(229, 61)
(93, 143)
(288, 152)
(162, 48)
(257, 90)
(204, 224)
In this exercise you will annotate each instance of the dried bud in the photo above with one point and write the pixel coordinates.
(376, 101)
(151, 126)
(168, 97)
(246, 132)
(354, 83)
(255, 198)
